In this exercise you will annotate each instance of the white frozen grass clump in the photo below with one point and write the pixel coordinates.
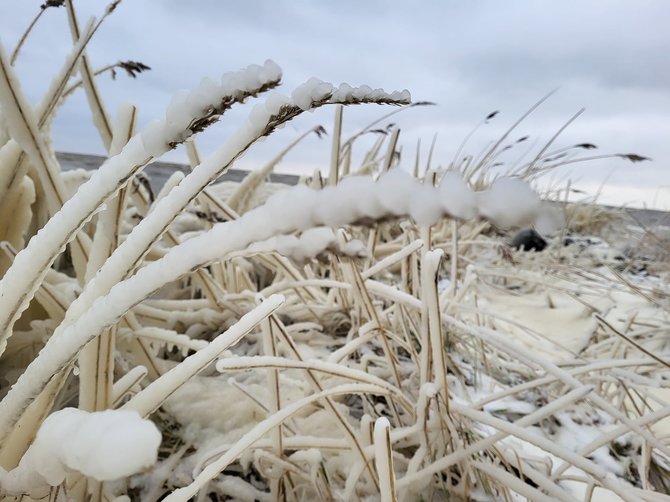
(155, 140)
(104, 445)
(283, 213)
(259, 224)
(508, 202)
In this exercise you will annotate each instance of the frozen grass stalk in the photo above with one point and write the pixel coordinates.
(29, 266)
(384, 460)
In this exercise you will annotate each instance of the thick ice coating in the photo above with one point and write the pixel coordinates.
(508, 202)
(311, 243)
(313, 90)
(457, 197)
(187, 105)
(103, 445)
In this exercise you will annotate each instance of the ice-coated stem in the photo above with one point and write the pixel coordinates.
(18, 285)
(430, 267)
(294, 209)
(96, 361)
(25, 130)
(150, 398)
(384, 460)
(333, 173)
(257, 432)
(100, 116)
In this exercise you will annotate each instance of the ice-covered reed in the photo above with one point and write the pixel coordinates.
(188, 113)
(364, 334)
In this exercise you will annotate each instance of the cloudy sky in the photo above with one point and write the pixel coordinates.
(471, 58)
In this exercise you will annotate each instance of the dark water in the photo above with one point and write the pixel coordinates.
(159, 172)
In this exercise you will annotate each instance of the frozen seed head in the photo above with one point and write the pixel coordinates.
(178, 114)
(275, 101)
(403, 95)
(345, 93)
(362, 92)
(154, 138)
(270, 71)
(250, 78)
(342, 93)
(207, 95)
(208, 98)
(259, 117)
(313, 90)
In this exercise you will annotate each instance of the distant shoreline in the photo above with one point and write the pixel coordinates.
(160, 171)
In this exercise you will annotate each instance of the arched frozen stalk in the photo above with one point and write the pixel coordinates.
(289, 210)
(384, 460)
(151, 397)
(263, 119)
(192, 112)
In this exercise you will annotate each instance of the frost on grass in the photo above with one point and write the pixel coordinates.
(409, 353)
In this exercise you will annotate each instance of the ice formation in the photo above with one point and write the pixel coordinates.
(155, 140)
(103, 445)
(209, 96)
(301, 223)
(508, 202)
(254, 226)
(310, 244)
(313, 90)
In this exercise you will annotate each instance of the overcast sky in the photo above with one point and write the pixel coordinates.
(471, 58)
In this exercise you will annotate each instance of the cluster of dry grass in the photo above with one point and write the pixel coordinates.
(439, 364)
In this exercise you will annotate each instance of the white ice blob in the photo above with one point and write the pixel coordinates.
(456, 196)
(395, 190)
(508, 202)
(313, 90)
(104, 445)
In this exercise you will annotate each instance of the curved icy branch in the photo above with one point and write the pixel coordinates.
(18, 285)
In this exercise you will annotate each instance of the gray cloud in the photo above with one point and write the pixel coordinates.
(470, 57)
